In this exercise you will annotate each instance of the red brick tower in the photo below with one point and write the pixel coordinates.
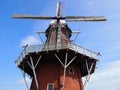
(58, 64)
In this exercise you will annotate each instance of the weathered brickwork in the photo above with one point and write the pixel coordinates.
(53, 72)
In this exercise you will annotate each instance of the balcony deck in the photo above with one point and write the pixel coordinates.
(56, 46)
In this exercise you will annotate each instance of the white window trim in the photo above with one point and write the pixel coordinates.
(50, 84)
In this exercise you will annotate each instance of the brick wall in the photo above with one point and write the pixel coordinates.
(52, 72)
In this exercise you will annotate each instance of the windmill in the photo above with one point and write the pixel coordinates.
(58, 64)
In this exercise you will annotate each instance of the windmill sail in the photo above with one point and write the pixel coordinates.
(58, 9)
(59, 16)
(85, 18)
(20, 16)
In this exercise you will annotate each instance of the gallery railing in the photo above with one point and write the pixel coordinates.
(56, 46)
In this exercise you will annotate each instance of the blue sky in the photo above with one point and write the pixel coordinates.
(101, 37)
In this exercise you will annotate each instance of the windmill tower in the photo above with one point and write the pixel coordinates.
(58, 64)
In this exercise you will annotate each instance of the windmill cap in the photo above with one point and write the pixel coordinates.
(55, 21)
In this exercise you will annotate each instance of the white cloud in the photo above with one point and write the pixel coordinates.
(116, 46)
(91, 2)
(28, 80)
(106, 78)
(30, 40)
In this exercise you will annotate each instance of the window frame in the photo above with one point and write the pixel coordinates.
(73, 70)
(49, 85)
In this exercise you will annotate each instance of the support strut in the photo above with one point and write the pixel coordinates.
(33, 69)
(65, 69)
(89, 75)
(23, 74)
(65, 65)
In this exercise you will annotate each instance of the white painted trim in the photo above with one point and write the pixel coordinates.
(50, 84)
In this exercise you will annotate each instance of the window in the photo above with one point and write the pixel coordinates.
(71, 70)
(50, 86)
